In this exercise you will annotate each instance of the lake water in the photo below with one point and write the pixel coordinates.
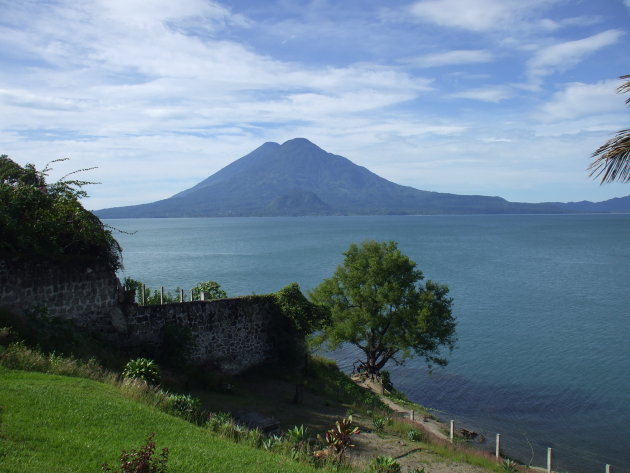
(542, 302)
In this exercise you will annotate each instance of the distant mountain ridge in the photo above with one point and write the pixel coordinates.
(299, 178)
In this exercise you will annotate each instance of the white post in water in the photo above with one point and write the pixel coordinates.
(142, 295)
(162, 295)
(549, 457)
(181, 295)
(498, 449)
(608, 468)
(452, 430)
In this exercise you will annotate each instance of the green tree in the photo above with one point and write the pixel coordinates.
(211, 289)
(378, 304)
(612, 159)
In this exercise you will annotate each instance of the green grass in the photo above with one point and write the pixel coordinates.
(51, 423)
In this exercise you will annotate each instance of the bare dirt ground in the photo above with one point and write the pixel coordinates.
(408, 454)
(273, 400)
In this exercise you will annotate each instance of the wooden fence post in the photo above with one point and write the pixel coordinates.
(181, 295)
(452, 430)
(202, 296)
(549, 459)
(498, 448)
(608, 468)
(412, 415)
(191, 295)
(142, 297)
(162, 295)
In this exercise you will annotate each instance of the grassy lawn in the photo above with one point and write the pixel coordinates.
(51, 423)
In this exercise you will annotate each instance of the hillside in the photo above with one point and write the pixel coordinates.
(61, 424)
(299, 178)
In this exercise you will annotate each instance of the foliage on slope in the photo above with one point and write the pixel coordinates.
(44, 221)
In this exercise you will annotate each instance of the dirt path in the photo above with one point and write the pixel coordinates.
(430, 425)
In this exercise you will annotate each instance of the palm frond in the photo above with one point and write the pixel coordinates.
(613, 159)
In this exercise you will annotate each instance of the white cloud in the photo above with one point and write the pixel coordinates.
(577, 100)
(562, 56)
(485, 94)
(452, 58)
(475, 15)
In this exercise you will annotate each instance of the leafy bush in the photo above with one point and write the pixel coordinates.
(217, 419)
(297, 434)
(415, 435)
(380, 422)
(384, 464)
(141, 460)
(185, 406)
(305, 316)
(211, 289)
(509, 466)
(339, 438)
(143, 369)
(47, 221)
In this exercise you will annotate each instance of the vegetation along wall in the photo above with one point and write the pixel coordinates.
(231, 335)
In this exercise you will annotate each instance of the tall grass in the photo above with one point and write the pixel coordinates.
(20, 357)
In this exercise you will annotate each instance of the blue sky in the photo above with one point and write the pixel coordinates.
(492, 97)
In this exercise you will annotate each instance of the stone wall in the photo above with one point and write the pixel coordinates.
(89, 296)
(230, 334)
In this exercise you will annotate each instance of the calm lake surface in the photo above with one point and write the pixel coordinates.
(542, 302)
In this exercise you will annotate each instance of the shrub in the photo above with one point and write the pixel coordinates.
(46, 221)
(297, 434)
(509, 466)
(415, 435)
(141, 460)
(143, 369)
(380, 422)
(185, 406)
(384, 464)
(339, 438)
(211, 290)
(216, 420)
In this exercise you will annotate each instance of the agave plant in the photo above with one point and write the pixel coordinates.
(384, 464)
(297, 434)
(509, 466)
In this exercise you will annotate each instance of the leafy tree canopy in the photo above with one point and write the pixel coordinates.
(211, 290)
(305, 316)
(378, 303)
(47, 221)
